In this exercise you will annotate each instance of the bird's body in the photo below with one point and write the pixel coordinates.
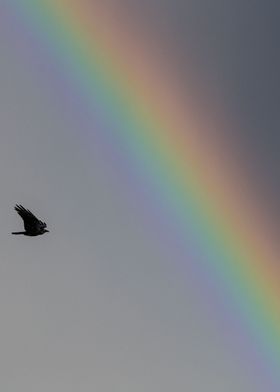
(33, 226)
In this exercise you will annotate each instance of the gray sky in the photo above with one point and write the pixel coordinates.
(97, 303)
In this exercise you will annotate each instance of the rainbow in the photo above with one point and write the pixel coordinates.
(164, 136)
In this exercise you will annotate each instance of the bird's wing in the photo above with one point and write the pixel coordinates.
(29, 219)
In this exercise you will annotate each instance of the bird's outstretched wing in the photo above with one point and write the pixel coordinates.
(31, 223)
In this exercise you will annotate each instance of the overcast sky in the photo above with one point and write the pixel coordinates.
(97, 303)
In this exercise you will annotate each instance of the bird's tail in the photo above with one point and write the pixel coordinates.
(18, 232)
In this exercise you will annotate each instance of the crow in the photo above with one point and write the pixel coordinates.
(33, 226)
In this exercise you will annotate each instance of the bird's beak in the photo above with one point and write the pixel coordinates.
(47, 231)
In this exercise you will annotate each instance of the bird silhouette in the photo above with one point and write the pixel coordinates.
(33, 226)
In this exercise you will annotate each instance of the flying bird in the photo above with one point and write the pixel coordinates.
(33, 226)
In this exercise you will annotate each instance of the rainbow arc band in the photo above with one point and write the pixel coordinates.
(165, 147)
